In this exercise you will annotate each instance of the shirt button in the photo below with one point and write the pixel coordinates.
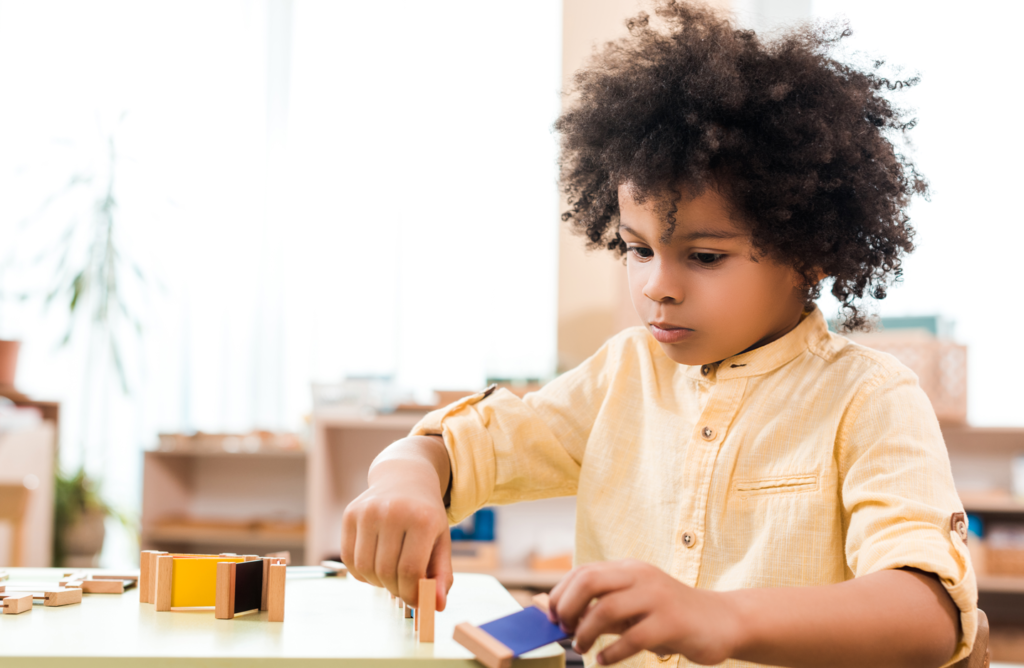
(689, 540)
(708, 433)
(705, 370)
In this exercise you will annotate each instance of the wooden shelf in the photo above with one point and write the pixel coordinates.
(994, 502)
(1001, 584)
(213, 535)
(261, 454)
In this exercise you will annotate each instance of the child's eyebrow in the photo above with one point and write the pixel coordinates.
(692, 235)
(710, 234)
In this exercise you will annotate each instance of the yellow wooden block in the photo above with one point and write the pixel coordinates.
(195, 581)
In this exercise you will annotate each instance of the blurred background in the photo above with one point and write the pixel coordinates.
(244, 244)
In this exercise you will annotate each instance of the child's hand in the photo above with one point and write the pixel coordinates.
(396, 532)
(648, 608)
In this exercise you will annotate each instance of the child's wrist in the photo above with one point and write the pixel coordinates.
(740, 628)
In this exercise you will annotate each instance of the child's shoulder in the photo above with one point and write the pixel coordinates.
(854, 360)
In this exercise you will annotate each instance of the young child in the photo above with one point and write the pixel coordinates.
(751, 487)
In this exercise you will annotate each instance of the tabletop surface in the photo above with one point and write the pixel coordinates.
(326, 620)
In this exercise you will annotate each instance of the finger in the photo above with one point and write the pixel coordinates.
(555, 595)
(638, 637)
(413, 564)
(385, 560)
(365, 551)
(613, 613)
(591, 582)
(349, 529)
(440, 567)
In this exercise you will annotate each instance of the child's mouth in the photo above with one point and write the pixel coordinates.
(666, 333)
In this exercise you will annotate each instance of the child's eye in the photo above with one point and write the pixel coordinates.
(708, 259)
(641, 252)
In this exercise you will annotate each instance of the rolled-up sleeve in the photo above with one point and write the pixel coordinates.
(898, 495)
(504, 449)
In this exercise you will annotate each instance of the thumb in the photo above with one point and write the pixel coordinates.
(440, 567)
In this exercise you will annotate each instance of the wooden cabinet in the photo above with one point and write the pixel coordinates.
(225, 502)
(981, 459)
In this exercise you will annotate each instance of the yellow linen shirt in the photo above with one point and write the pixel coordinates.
(808, 461)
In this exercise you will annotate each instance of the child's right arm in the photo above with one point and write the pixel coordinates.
(396, 532)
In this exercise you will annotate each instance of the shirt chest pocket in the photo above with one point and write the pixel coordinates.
(776, 485)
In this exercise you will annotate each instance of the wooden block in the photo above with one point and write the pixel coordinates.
(486, 649)
(518, 633)
(55, 598)
(284, 554)
(427, 604)
(15, 605)
(147, 573)
(129, 578)
(102, 586)
(164, 582)
(251, 557)
(225, 604)
(275, 593)
(542, 602)
(71, 584)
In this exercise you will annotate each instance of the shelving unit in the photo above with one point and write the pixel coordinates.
(981, 458)
(207, 501)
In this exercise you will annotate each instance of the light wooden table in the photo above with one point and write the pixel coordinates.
(328, 621)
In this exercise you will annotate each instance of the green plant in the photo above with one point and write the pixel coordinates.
(76, 495)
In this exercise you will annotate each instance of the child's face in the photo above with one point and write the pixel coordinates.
(707, 294)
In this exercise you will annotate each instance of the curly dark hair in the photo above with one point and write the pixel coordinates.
(799, 143)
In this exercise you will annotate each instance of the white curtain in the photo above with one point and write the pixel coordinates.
(312, 189)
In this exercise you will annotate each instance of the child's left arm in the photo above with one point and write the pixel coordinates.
(888, 618)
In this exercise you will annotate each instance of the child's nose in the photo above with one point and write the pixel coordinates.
(662, 286)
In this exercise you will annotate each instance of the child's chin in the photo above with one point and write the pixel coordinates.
(688, 354)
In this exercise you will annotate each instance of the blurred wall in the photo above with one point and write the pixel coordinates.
(593, 301)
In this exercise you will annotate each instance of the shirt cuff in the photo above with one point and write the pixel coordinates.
(929, 550)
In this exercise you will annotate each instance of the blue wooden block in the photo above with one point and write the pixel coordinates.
(525, 630)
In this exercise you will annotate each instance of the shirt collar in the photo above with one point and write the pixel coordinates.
(809, 334)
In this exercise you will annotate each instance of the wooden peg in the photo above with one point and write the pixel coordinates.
(15, 605)
(163, 582)
(425, 611)
(102, 586)
(55, 598)
(225, 606)
(275, 593)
